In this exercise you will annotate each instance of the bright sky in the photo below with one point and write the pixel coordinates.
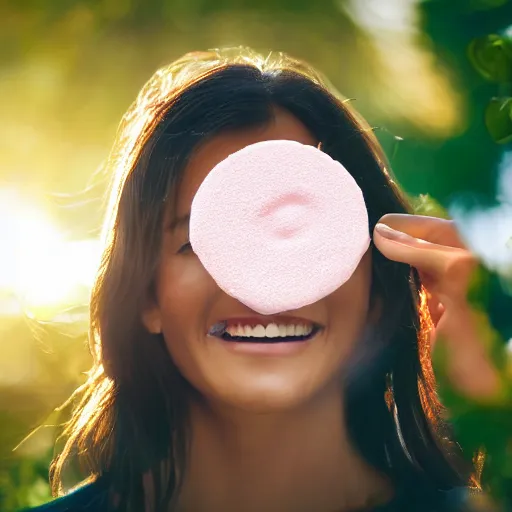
(488, 231)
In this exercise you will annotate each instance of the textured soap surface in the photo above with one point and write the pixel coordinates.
(279, 225)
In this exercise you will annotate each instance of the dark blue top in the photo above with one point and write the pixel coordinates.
(93, 498)
(89, 498)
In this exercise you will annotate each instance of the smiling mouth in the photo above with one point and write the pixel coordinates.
(259, 333)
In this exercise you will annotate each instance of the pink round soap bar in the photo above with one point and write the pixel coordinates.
(279, 225)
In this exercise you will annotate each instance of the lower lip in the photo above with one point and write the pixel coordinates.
(267, 349)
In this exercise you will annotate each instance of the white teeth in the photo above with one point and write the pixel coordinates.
(270, 331)
(232, 330)
(258, 331)
(304, 330)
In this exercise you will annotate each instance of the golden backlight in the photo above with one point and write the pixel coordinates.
(38, 265)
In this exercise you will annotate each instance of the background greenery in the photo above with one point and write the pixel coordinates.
(434, 78)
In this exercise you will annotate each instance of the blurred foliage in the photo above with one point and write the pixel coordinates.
(475, 5)
(498, 119)
(26, 484)
(45, 367)
(487, 424)
(480, 425)
(427, 205)
(491, 56)
(438, 91)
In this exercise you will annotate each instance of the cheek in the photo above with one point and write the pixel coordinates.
(348, 307)
(184, 293)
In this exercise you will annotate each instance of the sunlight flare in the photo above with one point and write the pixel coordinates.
(37, 263)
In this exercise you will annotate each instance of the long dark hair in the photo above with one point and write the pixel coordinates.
(132, 418)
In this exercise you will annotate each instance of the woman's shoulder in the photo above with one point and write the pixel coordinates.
(91, 497)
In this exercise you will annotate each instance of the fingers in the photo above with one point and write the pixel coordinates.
(426, 256)
(435, 249)
(432, 229)
(469, 366)
(436, 309)
(445, 270)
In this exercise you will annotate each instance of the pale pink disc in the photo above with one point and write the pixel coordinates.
(279, 225)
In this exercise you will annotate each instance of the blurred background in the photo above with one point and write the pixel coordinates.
(433, 78)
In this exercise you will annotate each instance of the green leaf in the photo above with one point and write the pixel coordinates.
(491, 56)
(498, 119)
(484, 5)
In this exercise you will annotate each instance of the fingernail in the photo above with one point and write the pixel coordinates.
(386, 231)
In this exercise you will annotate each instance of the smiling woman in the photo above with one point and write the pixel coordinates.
(197, 401)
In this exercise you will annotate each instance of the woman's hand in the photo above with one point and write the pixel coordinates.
(445, 265)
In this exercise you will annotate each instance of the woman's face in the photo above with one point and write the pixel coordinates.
(188, 303)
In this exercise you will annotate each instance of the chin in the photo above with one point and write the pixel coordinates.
(268, 396)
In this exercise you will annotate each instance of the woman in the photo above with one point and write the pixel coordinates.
(169, 423)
